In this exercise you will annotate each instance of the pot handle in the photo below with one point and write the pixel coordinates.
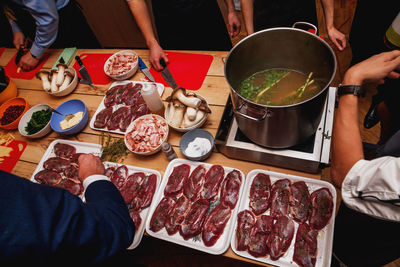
(306, 23)
(267, 113)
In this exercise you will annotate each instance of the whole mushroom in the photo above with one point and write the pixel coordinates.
(44, 77)
(67, 80)
(53, 84)
(61, 67)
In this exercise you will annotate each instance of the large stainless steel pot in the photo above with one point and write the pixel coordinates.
(291, 48)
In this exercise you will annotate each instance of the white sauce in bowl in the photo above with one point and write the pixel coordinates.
(198, 147)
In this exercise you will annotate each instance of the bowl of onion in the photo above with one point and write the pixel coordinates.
(121, 65)
(145, 134)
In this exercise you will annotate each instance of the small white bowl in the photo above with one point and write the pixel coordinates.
(138, 120)
(70, 88)
(126, 75)
(190, 137)
(27, 117)
(184, 130)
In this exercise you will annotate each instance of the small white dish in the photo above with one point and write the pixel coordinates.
(27, 117)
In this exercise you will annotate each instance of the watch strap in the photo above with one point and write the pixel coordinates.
(356, 90)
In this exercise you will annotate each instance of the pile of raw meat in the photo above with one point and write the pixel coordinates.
(197, 203)
(123, 104)
(62, 170)
(287, 202)
(121, 63)
(137, 189)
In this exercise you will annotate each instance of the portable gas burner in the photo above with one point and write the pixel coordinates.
(310, 156)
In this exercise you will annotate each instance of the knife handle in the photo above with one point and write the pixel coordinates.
(78, 59)
(141, 64)
(162, 62)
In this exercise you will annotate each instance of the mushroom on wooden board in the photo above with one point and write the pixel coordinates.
(44, 76)
(61, 67)
(67, 80)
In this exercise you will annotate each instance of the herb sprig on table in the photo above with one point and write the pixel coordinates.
(38, 121)
(114, 149)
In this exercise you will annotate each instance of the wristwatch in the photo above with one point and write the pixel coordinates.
(356, 90)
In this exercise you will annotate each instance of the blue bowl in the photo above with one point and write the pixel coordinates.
(69, 107)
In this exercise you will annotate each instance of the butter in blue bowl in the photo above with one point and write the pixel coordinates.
(81, 116)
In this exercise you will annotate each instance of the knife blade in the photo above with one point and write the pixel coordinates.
(167, 75)
(145, 70)
(84, 73)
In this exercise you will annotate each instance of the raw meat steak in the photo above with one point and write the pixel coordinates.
(131, 187)
(130, 94)
(159, 217)
(322, 208)
(260, 191)
(119, 176)
(139, 110)
(72, 172)
(281, 237)
(109, 99)
(103, 117)
(176, 179)
(230, 188)
(75, 158)
(193, 222)
(300, 205)
(193, 185)
(56, 164)
(280, 197)
(212, 182)
(245, 222)
(74, 187)
(48, 177)
(177, 214)
(306, 246)
(118, 94)
(147, 189)
(116, 118)
(64, 150)
(137, 220)
(109, 171)
(214, 224)
(259, 235)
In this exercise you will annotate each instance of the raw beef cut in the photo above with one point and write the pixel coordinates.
(75, 158)
(245, 222)
(280, 197)
(126, 119)
(56, 164)
(139, 110)
(193, 222)
(281, 237)
(109, 171)
(118, 95)
(64, 150)
(116, 118)
(119, 176)
(259, 235)
(72, 172)
(300, 204)
(214, 224)
(193, 185)
(177, 214)
(131, 188)
(159, 217)
(176, 179)
(48, 177)
(103, 117)
(146, 192)
(212, 182)
(74, 187)
(137, 220)
(322, 208)
(260, 191)
(306, 246)
(230, 188)
(109, 99)
(131, 93)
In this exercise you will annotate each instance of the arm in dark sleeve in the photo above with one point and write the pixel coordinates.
(44, 224)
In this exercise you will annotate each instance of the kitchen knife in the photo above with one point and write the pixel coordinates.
(145, 70)
(84, 73)
(167, 75)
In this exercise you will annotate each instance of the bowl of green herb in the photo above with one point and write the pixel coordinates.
(36, 121)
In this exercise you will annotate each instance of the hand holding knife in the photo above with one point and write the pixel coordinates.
(167, 75)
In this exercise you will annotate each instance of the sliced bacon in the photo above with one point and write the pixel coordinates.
(176, 179)
(281, 237)
(306, 246)
(300, 204)
(260, 192)
(214, 224)
(322, 208)
(193, 222)
(159, 217)
(280, 197)
(212, 182)
(193, 185)
(245, 222)
(259, 235)
(177, 214)
(230, 188)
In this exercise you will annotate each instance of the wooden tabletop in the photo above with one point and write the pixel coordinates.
(214, 89)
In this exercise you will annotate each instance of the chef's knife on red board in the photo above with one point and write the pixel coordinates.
(84, 73)
(167, 75)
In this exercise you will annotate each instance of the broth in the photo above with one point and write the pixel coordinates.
(277, 87)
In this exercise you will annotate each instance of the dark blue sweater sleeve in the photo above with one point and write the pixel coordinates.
(43, 224)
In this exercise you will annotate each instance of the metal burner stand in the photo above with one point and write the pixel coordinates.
(309, 157)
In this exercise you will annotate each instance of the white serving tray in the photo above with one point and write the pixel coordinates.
(325, 236)
(145, 212)
(196, 243)
(160, 88)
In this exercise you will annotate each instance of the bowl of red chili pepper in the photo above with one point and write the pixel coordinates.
(12, 111)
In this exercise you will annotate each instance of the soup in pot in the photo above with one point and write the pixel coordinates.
(277, 87)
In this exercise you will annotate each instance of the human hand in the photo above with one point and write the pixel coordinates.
(338, 38)
(234, 24)
(28, 62)
(374, 69)
(156, 53)
(89, 164)
(19, 39)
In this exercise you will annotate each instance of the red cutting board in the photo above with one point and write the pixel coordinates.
(8, 163)
(2, 50)
(189, 70)
(11, 69)
(94, 64)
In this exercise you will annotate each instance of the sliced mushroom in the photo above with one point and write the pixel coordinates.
(53, 85)
(61, 67)
(44, 76)
(180, 94)
(67, 80)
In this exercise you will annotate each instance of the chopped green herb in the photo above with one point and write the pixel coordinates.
(38, 121)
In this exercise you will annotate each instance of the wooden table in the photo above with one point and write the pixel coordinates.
(215, 89)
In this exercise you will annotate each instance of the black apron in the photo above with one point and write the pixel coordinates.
(190, 25)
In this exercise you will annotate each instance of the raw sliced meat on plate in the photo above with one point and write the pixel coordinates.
(193, 222)
(177, 214)
(109, 171)
(131, 93)
(245, 222)
(137, 220)
(193, 185)
(213, 179)
(230, 188)
(176, 179)
(116, 117)
(300, 205)
(260, 192)
(131, 187)
(146, 193)
(139, 110)
(119, 176)
(259, 235)
(75, 158)
(118, 94)
(103, 117)
(322, 208)
(281, 236)
(56, 164)
(306, 246)
(214, 224)
(64, 150)
(109, 99)
(160, 214)
(280, 197)
(74, 187)
(72, 172)
(48, 177)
